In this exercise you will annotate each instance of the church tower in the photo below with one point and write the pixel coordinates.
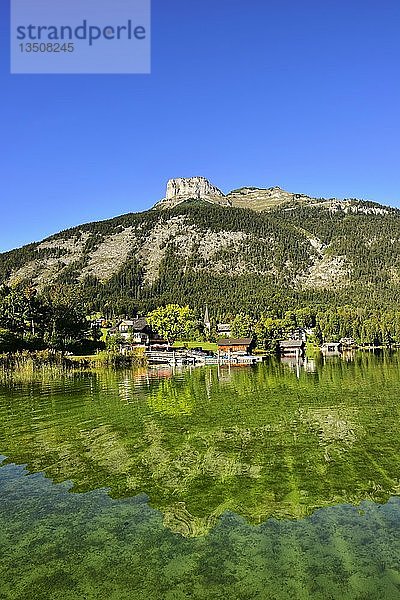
(207, 324)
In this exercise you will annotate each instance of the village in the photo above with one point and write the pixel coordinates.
(130, 335)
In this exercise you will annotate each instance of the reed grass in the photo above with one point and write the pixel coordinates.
(33, 366)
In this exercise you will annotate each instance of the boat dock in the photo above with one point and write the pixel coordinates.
(179, 357)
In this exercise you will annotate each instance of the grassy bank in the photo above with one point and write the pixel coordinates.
(28, 366)
(203, 345)
(31, 366)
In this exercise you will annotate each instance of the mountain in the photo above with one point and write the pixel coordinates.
(198, 188)
(251, 249)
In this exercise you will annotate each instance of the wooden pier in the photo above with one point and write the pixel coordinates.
(180, 357)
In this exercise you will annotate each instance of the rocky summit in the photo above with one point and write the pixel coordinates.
(191, 188)
(201, 189)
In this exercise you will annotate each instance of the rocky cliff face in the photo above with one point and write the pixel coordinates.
(191, 188)
(199, 188)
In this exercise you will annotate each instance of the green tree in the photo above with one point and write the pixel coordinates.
(268, 331)
(172, 322)
(13, 309)
(9, 341)
(67, 324)
(243, 326)
(36, 312)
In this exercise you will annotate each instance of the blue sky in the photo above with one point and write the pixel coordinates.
(304, 95)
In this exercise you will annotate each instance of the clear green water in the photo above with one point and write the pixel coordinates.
(232, 484)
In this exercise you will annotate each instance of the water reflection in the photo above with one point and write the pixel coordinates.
(278, 439)
(309, 365)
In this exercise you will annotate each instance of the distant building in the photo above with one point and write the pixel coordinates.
(231, 345)
(291, 347)
(298, 334)
(98, 323)
(331, 348)
(224, 329)
(136, 331)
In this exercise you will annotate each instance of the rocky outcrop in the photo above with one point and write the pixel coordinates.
(191, 188)
(199, 188)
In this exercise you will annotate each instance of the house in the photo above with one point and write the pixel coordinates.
(224, 329)
(136, 331)
(98, 323)
(298, 334)
(231, 345)
(291, 347)
(331, 348)
(125, 328)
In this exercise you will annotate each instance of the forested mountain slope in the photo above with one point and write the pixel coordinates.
(298, 251)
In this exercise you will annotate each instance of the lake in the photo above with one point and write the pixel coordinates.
(269, 482)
